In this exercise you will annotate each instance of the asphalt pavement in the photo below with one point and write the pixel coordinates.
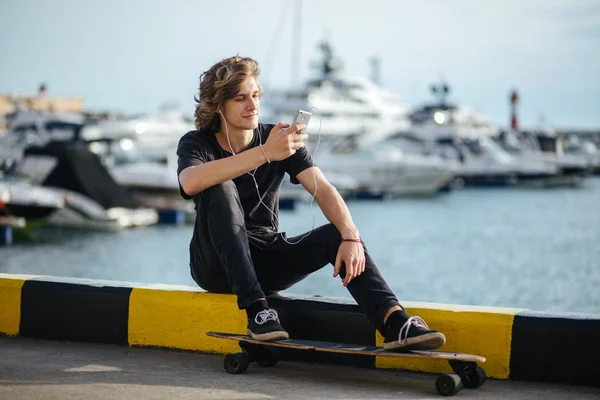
(44, 369)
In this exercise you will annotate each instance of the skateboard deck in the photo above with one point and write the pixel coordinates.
(467, 373)
(332, 347)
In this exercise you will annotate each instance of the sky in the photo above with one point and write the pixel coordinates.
(135, 56)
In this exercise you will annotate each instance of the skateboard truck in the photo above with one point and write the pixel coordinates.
(466, 374)
(237, 363)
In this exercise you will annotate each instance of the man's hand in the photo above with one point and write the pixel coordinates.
(283, 142)
(352, 255)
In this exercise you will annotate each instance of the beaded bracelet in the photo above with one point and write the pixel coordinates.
(359, 240)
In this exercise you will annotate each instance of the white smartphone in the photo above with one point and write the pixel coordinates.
(301, 117)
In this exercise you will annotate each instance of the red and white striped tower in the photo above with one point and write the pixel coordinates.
(514, 122)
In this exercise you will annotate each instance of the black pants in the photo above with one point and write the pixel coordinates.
(223, 261)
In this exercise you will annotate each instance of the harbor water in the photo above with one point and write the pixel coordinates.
(511, 247)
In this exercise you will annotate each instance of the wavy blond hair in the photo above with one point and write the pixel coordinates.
(220, 83)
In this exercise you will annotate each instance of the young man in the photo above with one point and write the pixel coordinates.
(232, 167)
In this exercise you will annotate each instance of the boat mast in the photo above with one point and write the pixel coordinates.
(296, 44)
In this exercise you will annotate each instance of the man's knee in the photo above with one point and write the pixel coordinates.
(332, 233)
(332, 239)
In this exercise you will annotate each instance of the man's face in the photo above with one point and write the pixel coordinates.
(241, 112)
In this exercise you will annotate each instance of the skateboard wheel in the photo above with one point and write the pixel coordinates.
(473, 378)
(448, 384)
(267, 356)
(236, 363)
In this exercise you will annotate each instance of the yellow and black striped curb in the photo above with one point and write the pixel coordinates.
(518, 344)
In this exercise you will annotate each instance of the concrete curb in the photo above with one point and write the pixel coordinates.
(518, 344)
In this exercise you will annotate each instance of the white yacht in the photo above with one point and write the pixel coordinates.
(547, 147)
(37, 128)
(344, 105)
(484, 163)
(152, 135)
(383, 168)
(442, 119)
(31, 202)
(585, 148)
(345, 184)
(92, 198)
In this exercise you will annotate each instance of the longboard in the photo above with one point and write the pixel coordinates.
(466, 372)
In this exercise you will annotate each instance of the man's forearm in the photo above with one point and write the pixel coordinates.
(335, 210)
(200, 177)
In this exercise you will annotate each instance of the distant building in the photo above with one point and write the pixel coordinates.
(9, 103)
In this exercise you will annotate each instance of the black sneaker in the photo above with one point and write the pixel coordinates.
(265, 326)
(414, 335)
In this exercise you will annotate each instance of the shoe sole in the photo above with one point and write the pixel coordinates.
(269, 336)
(429, 341)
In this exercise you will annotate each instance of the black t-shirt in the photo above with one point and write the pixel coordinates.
(197, 147)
